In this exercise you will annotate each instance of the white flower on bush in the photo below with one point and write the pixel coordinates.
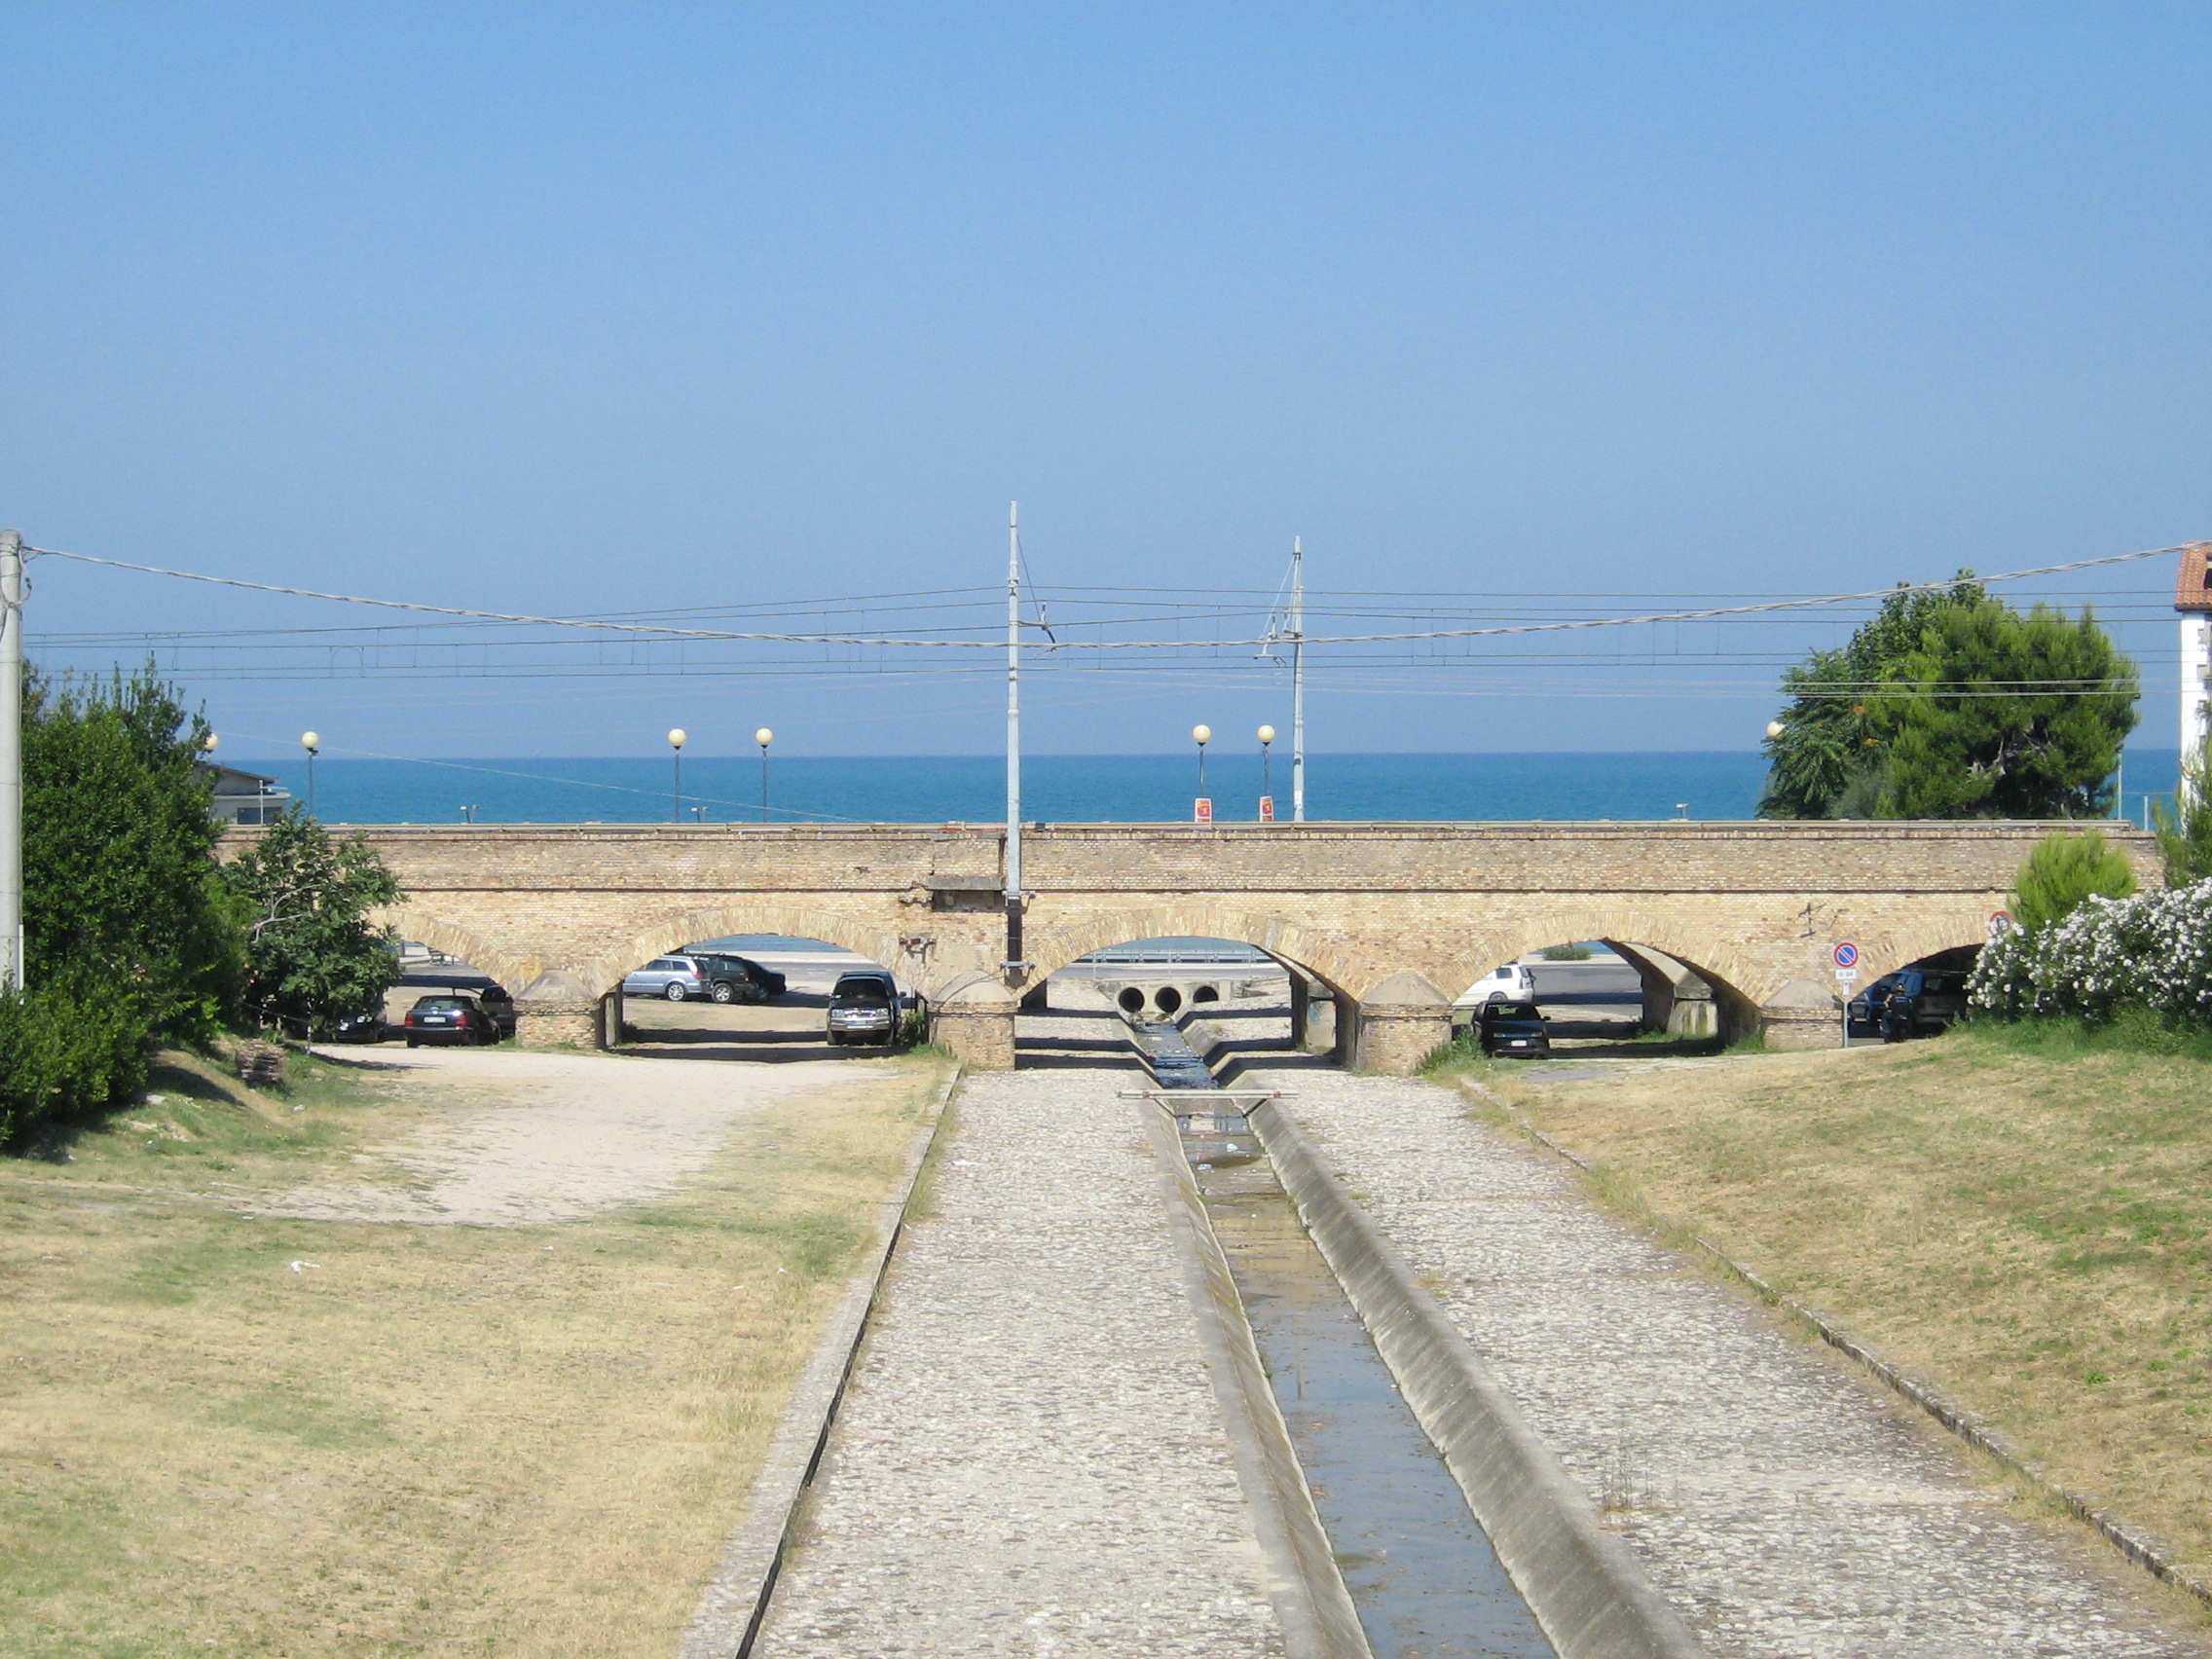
(2154, 949)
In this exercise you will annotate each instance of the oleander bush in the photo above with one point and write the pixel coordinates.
(2150, 954)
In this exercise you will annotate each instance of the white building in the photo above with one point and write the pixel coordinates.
(2193, 598)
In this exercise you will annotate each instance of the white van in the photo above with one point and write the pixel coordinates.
(1512, 983)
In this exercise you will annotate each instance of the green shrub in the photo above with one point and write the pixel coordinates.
(64, 1059)
(2062, 871)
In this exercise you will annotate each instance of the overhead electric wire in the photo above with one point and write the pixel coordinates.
(1496, 630)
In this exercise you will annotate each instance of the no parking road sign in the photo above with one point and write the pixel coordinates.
(1847, 955)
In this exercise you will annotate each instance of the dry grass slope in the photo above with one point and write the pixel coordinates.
(2030, 1230)
(524, 1439)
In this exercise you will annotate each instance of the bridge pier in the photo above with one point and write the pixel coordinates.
(607, 1029)
(1676, 1000)
(1804, 1015)
(557, 1011)
(976, 1023)
(1395, 1027)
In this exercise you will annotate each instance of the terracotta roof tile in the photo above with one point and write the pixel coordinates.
(2192, 583)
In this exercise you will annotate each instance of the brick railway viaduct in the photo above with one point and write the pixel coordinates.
(1392, 919)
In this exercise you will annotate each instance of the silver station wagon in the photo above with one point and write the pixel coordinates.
(675, 978)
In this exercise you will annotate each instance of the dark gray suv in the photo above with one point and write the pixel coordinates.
(864, 1008)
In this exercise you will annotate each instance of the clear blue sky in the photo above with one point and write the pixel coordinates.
(586, 310)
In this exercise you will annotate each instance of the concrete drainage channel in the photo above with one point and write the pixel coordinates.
(1421, 1573)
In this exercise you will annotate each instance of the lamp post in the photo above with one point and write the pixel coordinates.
(1202, 735)
(677, 738)
(311, 741)
(763, 737)
(1267, 774)
(468, 812)
(1682, 811)
(210, 743)
(1774, 729)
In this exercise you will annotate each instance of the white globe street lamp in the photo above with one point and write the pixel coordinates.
(311, 741)
(1267, 763)
(210, 743)
(1202, 735)
(678, 737)
(763, 737)
(1774, 728)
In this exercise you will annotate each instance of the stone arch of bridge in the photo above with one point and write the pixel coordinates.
(1318, 955)
(1941, 925)
(511, 969)
(1740, 982)
(860, 934)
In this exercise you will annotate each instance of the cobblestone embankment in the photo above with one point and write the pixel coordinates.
(1030, 1459)
(1783, 1501)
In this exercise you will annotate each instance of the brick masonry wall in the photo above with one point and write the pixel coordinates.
(1757, 907)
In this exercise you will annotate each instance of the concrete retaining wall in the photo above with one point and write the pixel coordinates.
(1585, 1588)
(1305, 1588)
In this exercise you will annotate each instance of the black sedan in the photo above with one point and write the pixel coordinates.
(1514, 1029)
(449, 1019)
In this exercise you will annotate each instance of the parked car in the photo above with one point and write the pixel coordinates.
(675, 978)
(736, 979)
(864, 1008)
(1512, 983)
(1514, 1029)
(501, 1008)
(366, 1027)
(449, 1019)
(1920, 1002)
(771, 983)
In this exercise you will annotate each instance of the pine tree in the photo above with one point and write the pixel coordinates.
(1998, 715)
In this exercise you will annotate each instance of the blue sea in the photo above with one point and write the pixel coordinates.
(1061, 788)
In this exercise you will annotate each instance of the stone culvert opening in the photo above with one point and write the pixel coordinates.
(1206, 993)
(1131, 1000)
(1170, 999)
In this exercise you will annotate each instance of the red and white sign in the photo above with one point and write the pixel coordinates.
(1267, 809)
(1203, 813)
(2000, 923)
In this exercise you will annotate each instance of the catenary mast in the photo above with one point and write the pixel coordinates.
(11, 964)
(1013, 733)
(1297, 681)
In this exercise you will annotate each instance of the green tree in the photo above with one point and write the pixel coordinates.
(1828, 759)
(2185, 830)
(312, 955)
(122, 902)
(1996, 715)
(2064, 869)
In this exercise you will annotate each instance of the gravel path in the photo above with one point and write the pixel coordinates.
(523, 1136)
(1784, 1502)
(1030, 1459)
